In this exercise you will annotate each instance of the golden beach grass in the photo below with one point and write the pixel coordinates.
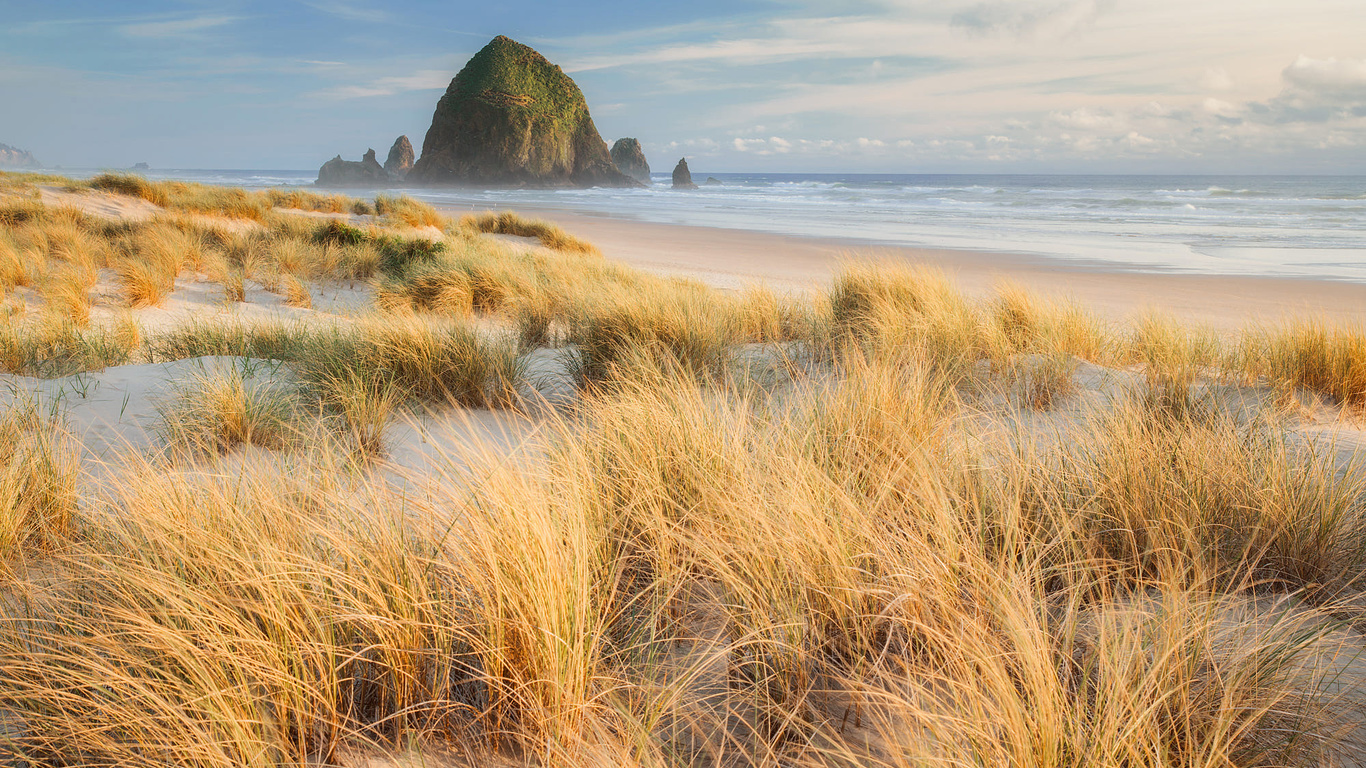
(860, 560)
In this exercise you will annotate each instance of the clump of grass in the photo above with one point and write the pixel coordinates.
(438, 290)
(213, 411)
(1328, 360)
(877, 309)
(509, 223)
(431, 359)
(38, 479)
(15, 211)
(302, 200)
(153, 256)
(234, 286)
(144, 284)
(16, 268)
(1173, 357)
(1042, 381)
(676, 325)
(408, 211)
(1030, 323)
(765, 317)
(340, 233)
(428, 359)
(1223, 497)
(132, 186)
(68, 296)
(48, 349)
(295, 292)
(365, 402)
(66, 236)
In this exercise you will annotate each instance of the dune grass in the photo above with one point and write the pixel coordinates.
(509, 223)
(866, 561)
(405, 210)
(296, 293)
(222, 201)
(1325, 359)
(430, 359)
(214, 410)
(38, 477)
(48, 348)
(685, 576)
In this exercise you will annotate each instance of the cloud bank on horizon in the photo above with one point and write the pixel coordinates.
(1142, 86)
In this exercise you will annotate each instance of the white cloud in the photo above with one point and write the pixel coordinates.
(1328, 76)
(1219, 107)
(1086, 118)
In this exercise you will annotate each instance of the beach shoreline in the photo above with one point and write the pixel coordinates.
(734, 258)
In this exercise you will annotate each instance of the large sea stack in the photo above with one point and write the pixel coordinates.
(510, 118)
(630, 160)
(400, 159)
(349, 173)
(13, 157)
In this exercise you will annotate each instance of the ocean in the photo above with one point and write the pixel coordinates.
(1286, 226)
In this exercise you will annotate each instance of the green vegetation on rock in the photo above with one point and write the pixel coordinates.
(512, 118)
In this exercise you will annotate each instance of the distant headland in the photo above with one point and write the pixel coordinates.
(15, 158)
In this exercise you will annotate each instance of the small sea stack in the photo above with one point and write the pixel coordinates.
(400, 159)
(349, 173)
(682, 176)
(630, 160)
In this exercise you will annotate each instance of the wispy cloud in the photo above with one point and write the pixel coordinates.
(422, 80)
(175, 27)
(1024, 19)
(749, 51)
(349, 11)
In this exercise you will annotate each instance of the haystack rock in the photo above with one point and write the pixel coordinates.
(400, 159)
(682, 176)
(13, 157)
(510, 118)
(630, 160)
(349, 173)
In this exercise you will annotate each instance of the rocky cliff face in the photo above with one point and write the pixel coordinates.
(400, 159)
(349, 173)
(682, 176)
(511, 118)
(630, 160)
(15, 158)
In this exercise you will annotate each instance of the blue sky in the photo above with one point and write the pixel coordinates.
(1146, 86)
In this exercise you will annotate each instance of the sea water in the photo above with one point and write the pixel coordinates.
(1286, 226)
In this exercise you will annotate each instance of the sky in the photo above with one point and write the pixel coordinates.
(870, 86)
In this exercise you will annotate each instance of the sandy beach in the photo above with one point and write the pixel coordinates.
(731, 259)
